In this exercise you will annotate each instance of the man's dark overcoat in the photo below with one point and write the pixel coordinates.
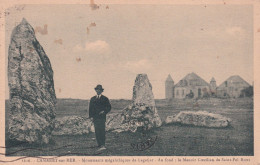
(97, 105)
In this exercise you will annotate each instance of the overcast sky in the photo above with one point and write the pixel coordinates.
(109, 45)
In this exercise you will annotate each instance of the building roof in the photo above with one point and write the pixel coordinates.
(169, 78)
(234, 81)
(191, 79)
(213, 79)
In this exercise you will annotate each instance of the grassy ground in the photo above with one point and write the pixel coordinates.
(170, 139)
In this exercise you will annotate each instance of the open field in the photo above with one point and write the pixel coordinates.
(175, 140)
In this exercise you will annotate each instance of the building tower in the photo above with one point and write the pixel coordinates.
(169, 87)
(213, 86)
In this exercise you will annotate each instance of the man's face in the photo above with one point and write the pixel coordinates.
(99, 91)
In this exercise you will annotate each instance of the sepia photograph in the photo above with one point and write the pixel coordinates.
(128, 80)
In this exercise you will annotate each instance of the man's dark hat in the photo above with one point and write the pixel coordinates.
(99, 87)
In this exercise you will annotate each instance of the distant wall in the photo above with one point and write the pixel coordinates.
(198, 91)
(169, 90)
(231, 91)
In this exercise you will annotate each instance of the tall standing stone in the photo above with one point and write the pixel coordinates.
(32, 94)
(142, 91)
(141, 114)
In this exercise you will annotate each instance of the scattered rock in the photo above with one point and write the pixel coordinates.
(73, 125)
(142, 113)
(169, 119)
(140, 116)
(76, 125)
(32, 94)
(199, 118)
(114, 122)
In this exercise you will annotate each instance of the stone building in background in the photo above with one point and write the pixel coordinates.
(232, 87)
(191, 86)
(169, 87)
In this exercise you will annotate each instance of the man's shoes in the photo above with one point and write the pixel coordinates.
(102, 148)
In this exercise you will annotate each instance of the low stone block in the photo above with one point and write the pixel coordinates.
(199, 118)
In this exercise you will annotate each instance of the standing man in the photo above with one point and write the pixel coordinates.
(99, 106)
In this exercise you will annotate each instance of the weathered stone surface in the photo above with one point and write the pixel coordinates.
(73, 125)
(199, 118)
(169, 119)
(114, 122)
(142, 91)
(142, 113)
(140, 116)
(32, 94)
(76, 125)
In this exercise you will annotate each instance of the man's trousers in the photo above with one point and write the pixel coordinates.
(100, 131)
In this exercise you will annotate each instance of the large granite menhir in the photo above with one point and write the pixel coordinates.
(141, 114)
(32, 94)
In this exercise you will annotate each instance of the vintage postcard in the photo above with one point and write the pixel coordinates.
(129, 82)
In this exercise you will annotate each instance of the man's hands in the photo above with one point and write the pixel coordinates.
(100, 113)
